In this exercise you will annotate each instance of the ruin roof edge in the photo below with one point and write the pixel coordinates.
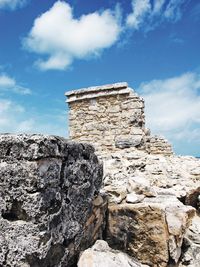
(93, 89)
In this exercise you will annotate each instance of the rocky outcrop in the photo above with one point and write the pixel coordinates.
(101, 255)
(50, 207)
(148, 175)
(152, 200)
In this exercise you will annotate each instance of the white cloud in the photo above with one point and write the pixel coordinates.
(6, 81)
(15, 118)
(173, 10)
(158, 5)
(8, 84)
(12, 4)
(148, 14)
(63, 38)
(8, 114)
(140, 9)
(173, 106)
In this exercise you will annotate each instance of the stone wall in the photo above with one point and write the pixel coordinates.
(158, 145)
(111, 117)
(50, 207)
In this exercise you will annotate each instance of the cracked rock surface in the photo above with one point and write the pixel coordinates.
(48, 192)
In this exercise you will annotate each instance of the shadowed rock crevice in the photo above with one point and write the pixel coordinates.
(52, 259)
(16, 212)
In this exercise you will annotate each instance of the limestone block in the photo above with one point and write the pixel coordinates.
(152, 231)
(140, 230)
(124, 142)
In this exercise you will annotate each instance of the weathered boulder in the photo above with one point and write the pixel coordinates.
(101, 255)
(50, 207)
(151, 231)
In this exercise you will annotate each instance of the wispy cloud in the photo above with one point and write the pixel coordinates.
(15, 118)
(8, 114)
(173, 106)
(176, 40)
(12, 4)
(173, 10)
(9, 84)
(195, 13)
(148, 14)
(140, 9)
(62, 38)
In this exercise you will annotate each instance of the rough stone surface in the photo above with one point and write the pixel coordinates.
(50, 207)
(111, 117)
(101, 255)
(152, 231)
(191, 245)
(150, 175)
(148, 187)
(158, 145)
(155, 183)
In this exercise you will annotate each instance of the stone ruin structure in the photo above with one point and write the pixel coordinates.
(111, 117)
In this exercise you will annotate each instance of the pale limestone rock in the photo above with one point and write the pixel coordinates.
(162, 174)
(141, 185)
(101, 255)
(191, 245)
(178, 219)
(134, 198)
(116, 194)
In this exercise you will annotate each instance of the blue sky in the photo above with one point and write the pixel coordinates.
(49, 47)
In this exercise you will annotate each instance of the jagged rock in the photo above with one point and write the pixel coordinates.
(191, 245)
(49, 203)
(152, 231)
(101, 255)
